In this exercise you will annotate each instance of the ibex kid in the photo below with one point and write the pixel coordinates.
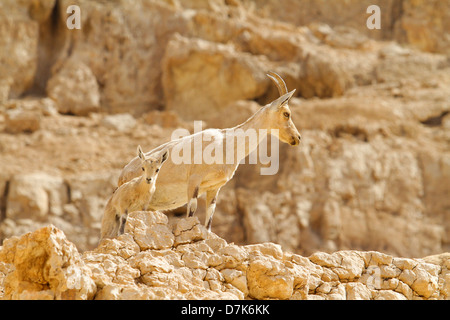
(131, 196)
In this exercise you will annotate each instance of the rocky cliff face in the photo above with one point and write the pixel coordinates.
(372, 107)
(154, 260)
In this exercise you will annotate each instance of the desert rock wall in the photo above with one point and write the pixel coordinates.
(154, 260)
(372, 107)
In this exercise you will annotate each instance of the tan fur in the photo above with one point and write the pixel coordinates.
(131, 196)
(179, 184)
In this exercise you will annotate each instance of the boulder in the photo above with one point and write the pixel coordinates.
(45, 265)
(120, 122)
(324, 74)
(19, 121)
(36, 196)
(193, 65)
(150, 230)
(19, 37)
(74, 88)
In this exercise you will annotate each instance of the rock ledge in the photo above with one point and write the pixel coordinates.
(154, 260)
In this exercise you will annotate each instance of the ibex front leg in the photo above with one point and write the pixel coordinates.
(193, 189)
(211, 198)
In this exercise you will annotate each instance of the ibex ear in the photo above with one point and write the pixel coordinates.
(165, 156)
(281, 101)
(140, 153)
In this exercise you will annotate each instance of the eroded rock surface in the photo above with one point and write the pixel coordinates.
(154, 260)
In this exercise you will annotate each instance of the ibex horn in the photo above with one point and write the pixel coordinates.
(279, 82)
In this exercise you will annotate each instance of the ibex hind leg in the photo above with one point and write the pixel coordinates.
(110, 224)
(123, 221)
(193, 193)
(192, 204)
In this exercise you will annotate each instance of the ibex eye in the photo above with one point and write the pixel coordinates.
(157, 170)
(286, 115)
(143, 169)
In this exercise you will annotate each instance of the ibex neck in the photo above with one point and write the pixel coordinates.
(248, 135)
(143, 185)
(256, 121)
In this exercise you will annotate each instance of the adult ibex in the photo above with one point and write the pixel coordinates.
(181, 183)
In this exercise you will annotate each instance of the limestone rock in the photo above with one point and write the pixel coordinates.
(45, 266)
(127, 62)
(17, 121)
(19, 38)
(36, 196)
(120, 122)
(304, 12)
(268, 278)
(165, 119)
(396, 64)
(27, 115)
(41, 10)
(74, 88)
(43, 106)
(313, 82)
(424, 24)
(150, 230)
(373, 167)
(188, 230)
(89, 193)
(357, 291)
(146, 263)
(193, 65)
